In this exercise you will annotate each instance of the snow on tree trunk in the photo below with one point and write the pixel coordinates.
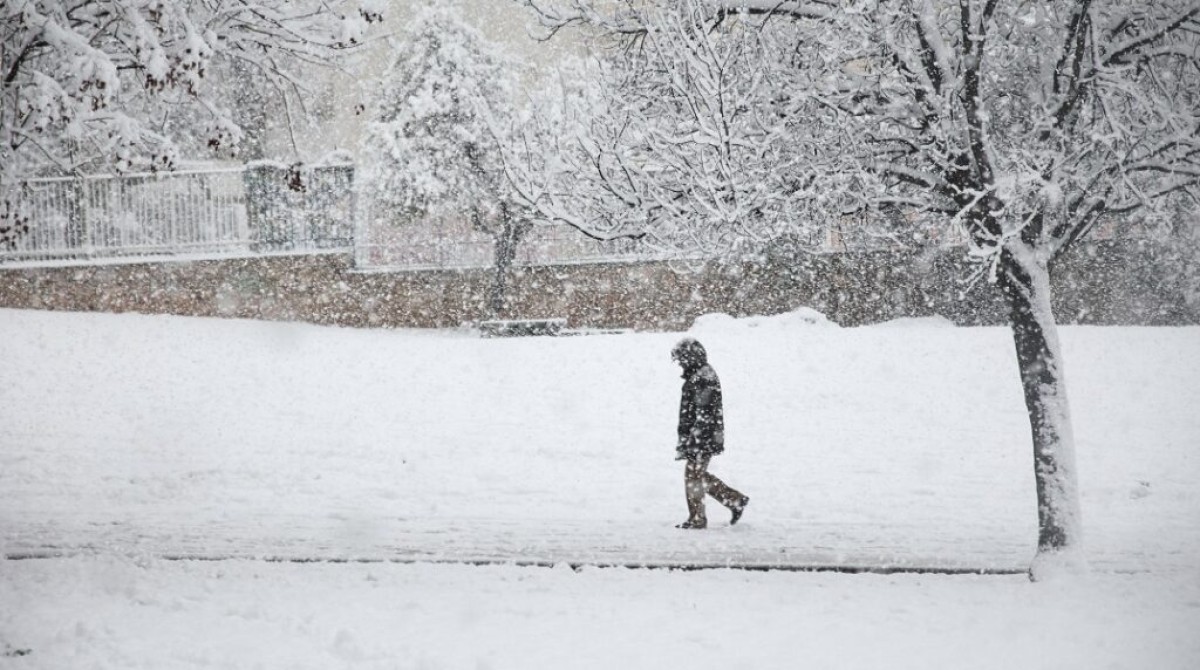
(1024, 281)
(505, 241)
(499, 287)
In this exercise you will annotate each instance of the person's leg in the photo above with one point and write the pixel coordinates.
(726, 495)
(693, 486)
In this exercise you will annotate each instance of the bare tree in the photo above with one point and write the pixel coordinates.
(1025, 124)
(672, 131)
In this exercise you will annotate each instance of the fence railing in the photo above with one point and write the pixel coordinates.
(267, 208)
(245, 210)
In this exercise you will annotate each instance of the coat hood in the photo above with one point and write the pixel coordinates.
(689, 353)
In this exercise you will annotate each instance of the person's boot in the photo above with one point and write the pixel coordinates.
(697, 519)
(737, 510)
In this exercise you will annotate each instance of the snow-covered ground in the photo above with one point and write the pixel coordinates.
(128, 443)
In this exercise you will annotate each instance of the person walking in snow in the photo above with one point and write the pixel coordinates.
(701, 435)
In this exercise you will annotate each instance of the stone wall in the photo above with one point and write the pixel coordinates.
(1100, 284)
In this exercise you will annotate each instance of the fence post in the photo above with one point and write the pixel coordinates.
(264, 194)
(362, 209)
(346, 187)
(79, 238)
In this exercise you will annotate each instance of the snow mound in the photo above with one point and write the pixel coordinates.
(917, 322)
(716, 323)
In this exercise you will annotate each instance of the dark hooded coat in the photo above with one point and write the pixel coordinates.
(701, 414)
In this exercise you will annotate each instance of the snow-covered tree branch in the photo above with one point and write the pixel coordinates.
(120, 85)
(676, 131)
(98, 84)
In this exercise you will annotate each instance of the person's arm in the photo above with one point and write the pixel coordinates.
(687, 419)
(705, 421)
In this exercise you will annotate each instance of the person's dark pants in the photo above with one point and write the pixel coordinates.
(697, 482)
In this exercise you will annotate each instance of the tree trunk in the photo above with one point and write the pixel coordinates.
(504, 256)
(1024, 280)
(506, 239)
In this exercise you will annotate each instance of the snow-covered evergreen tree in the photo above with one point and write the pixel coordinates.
(432, 147)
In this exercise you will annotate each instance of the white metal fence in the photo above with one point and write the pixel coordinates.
(245, 210)
(267, 208)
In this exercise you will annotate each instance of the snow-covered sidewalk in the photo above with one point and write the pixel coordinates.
(768, 544)
(902, 445)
